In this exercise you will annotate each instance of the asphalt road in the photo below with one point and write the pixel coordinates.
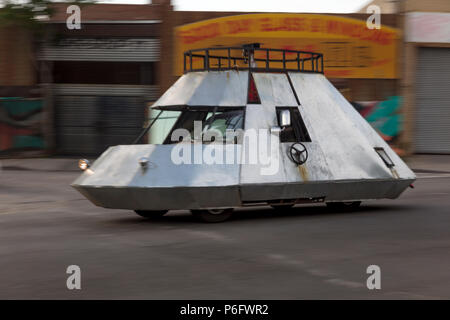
(307, 252)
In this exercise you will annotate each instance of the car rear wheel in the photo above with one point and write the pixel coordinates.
(151, 214)
(213, 215)
(348, 205)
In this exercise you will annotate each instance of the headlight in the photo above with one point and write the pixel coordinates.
(83, 164)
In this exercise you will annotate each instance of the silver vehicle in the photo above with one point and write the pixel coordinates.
(299, 141)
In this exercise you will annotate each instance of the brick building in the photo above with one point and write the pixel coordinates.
(97, 82)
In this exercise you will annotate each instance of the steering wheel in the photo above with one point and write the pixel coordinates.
(298, 153)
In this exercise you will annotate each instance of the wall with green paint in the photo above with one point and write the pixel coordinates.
(385, 117)
(20, 124)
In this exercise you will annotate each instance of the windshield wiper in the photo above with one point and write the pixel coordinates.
(146, 129)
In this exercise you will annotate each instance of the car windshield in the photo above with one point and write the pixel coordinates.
(220, 125)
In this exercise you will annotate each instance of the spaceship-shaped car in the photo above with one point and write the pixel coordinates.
(247, 126)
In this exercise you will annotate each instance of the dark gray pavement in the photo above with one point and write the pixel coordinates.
(307, 252)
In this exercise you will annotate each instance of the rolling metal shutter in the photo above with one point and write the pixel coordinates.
(92, 49)
(432, 116)
(89, 119)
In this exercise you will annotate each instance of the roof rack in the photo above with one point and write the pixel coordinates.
(252, 57)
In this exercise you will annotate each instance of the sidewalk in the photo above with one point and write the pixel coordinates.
(419, 163)
(40, 164)
(429, 163)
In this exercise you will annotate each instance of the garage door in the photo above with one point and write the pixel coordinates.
(432, 127)
(89, 120)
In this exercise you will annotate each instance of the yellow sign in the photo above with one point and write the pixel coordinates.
(350, 49)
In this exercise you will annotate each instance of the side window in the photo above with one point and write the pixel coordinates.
(297, 131)
(224, 119)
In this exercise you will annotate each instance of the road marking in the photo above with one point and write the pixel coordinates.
(326, 276)
(345, 283)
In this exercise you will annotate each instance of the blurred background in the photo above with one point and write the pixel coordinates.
(69, 92)
(76, 91)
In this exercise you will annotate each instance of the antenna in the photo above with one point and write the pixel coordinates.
(249, 52)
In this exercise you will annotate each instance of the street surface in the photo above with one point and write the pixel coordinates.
(304, 253)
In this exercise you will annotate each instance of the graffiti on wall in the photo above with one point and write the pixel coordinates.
(20, 124)
(384, 116)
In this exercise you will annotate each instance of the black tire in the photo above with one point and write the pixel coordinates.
(213, 215)
(151, 214)
(344, 206)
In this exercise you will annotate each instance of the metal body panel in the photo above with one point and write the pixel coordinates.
(345, 136)
(259, 117)
(355, 190)
(274, 89)
(223, 89)
(315, 169)
(153, 198)
(116, 179)
(342, 163)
